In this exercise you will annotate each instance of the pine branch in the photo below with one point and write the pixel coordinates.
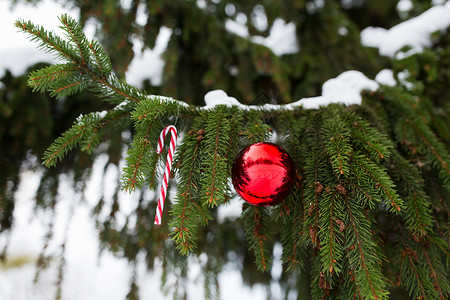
(255, 130)
(141, 161)
(291, 126)
(292, 214)
(331, 240)
(434, 150)
(215, 175)
(413, 276)
(75, 34)
(48, 41)
(371, 140)
(115, 90)
(412, 130)
(441, 284)
(93, 74)
(116, 119)
(292, 211)
(50, 78)
(101, 58)
(410, 187)
(187, 214)
(417, 215)
(315, 166)
(381, 180)
(69, 139)
(363, 260)
(254, 221)
(442, 245)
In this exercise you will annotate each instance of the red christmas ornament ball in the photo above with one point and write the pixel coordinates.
(263, 174)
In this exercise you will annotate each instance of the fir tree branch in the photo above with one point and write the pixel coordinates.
(186, 213)
(336, 137)
(410, 186)
(436, 284)
(361, 256)
(48, 41)
(112, 85)
(417, 215)
(65, 143)
(414, 277)
(254, 222)
(380, 179)
(192, 187)
(368, 193)
(370, 138)
(315, 166)
(432, 145)
(49, 77)
(76, 35)
(98, 74)
(141, 161)
(137, 163)
(84, 131)
(66, 87)
(117, 119)
(292, 213)
(330, 235)
(101, 58)
(215, 175)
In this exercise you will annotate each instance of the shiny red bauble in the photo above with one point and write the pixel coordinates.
(263, 174)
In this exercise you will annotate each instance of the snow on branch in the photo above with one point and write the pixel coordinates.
(415, 32)
(345, 88)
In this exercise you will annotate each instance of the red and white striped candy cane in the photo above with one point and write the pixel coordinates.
(165, 181)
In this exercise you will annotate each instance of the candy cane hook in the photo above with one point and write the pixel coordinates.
(165, 181)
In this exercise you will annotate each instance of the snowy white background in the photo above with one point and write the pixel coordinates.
(90, 276)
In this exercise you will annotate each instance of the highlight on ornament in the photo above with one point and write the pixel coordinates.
(263, 174)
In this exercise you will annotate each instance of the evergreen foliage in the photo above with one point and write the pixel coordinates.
(369, 212)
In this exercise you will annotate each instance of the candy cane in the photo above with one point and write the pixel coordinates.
(165, 181)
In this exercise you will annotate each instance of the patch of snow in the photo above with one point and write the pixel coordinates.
(90, 28)
(141, 14)
(201, 4)
(415, 32)
(437, 2)
(404, 6)
(93, 190)
(281, 40)
(277, 268)
(126, 4)
(403, 79)
(345, 89)
(232, 279)
(343, 31)
(102, 114)
(237, 28)
(19, 53)
(219, 97)
(276, 271)
(88, 275)
(259, 18)
(148, 64)
(28, 232)
(386, 77)
(404, 54)
(373, 36)
(232, 210)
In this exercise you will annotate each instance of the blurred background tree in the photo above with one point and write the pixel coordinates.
(202, 55)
